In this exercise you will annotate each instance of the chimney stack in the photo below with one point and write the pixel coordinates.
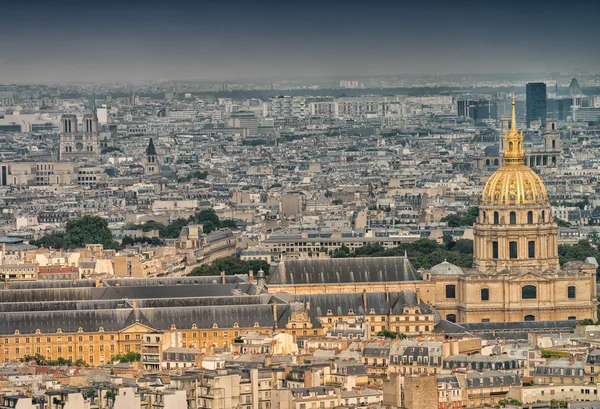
(222, 277)
(251, 276)
(275, 314)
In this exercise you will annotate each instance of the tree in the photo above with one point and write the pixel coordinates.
(391, 334)
(208, 227)
(231, 265)
(229, 223)
(468, 219)
(129, 357)
(464, 246)
(80, 232)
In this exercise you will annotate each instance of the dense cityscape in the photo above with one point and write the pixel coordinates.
(299, 205)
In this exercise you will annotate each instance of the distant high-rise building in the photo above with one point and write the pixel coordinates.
(536, 102)
(574, 89)
(477, 110)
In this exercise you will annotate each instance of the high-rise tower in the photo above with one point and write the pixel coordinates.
(536, 102)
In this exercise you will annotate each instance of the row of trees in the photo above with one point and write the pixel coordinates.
(43, 361)
(426, 253)
(126, 358)
(197, 174)
(79, 232)
(468, 219)
(421, 253)
(88, 229)
(231, 265)
(206, 217)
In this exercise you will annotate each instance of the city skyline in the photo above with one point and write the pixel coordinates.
(187, 41)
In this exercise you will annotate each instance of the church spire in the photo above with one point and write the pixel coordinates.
(513, 142)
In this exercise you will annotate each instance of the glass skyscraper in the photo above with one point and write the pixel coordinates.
(536, 102)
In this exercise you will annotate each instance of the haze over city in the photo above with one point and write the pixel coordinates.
(153, 40)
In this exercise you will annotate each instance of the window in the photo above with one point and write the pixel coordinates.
(450, 291)
(529, 292)
(530, 217)
(513, 218)
(485, 320)
(494, 249)
(512, 249)
(451, 317)
(543, 215)
(496, 218)
(485, 294)
(529, 318)
(574, 318)
(571, 292)
(531, 249)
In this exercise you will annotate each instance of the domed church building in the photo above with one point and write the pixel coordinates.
(516, 274)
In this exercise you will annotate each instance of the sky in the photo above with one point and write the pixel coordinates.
(106, 40)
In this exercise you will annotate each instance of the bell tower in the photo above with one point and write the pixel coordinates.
(151, 167)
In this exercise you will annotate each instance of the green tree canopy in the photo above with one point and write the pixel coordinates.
(80, 232)
(231, 265)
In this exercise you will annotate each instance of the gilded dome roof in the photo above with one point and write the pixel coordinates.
(514, 184)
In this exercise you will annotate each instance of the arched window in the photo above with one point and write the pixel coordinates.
(510, 146)
(530, 217)
(495, 162)
(512, 250)
(451, 317)
(513, 218)
(571, 291)
(531, 249)
(450, 291)
(496, 218)
(529, 292)
(487, 162)
(529, 318)
(543, 215)
(494, 249)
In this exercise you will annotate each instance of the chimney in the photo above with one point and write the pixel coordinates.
(365, 300)
(275, 314)
(418, 291)
(222, 277)
(251, 276)
(134, 303)
(308, 305)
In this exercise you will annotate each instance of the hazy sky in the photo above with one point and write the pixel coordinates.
(106, 40)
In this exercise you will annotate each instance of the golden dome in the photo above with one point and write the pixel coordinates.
(514, 183)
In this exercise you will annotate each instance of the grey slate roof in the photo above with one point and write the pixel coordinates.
(112, 293)
(158, 318)
(343, 270)
(380, 303)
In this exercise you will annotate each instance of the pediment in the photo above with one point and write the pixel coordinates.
(529, 276)
(137, 327)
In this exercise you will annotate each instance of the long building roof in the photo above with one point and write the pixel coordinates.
(343, 270)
